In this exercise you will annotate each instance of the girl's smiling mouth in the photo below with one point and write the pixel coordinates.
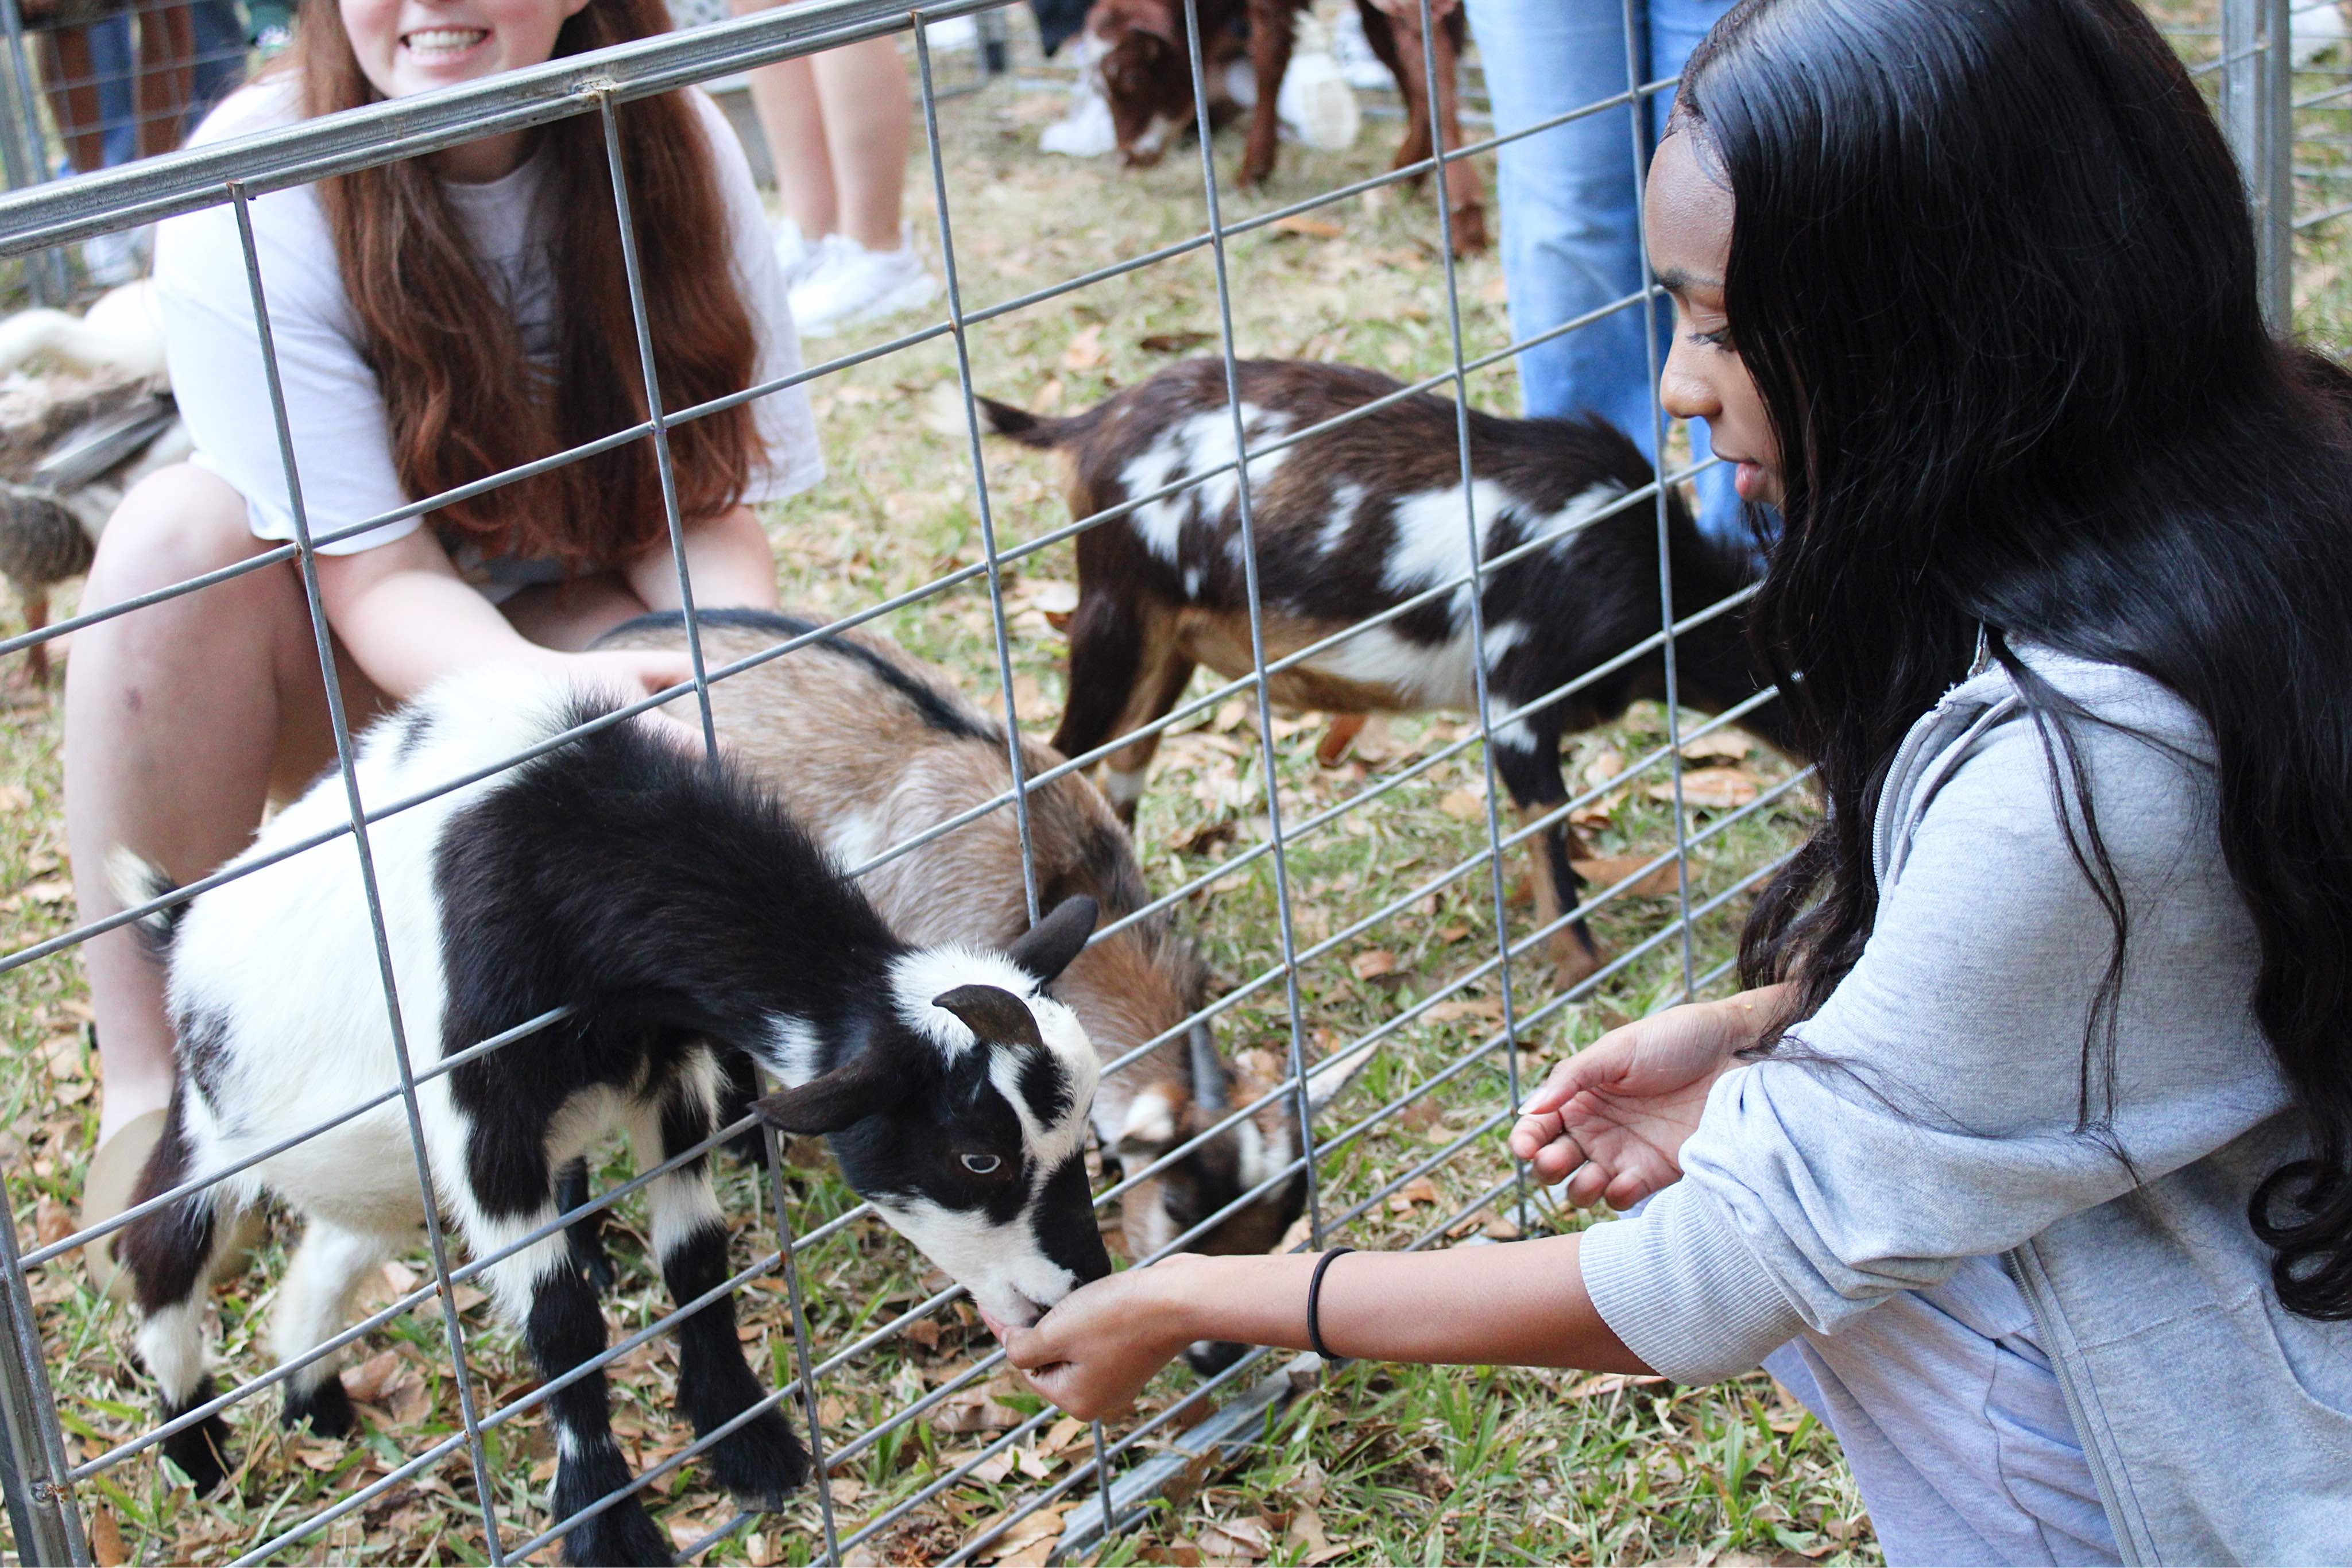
(443, 42)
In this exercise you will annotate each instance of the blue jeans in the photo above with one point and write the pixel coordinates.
(1571, 224)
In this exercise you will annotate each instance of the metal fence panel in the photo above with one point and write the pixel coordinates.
(48, 1487)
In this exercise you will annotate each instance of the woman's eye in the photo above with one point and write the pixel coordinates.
(981, 1164)
(1718, 338)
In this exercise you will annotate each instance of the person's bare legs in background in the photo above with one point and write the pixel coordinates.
(838, 126)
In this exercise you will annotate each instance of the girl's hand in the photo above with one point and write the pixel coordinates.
(1612, 1119)
(1101, 1343)
(633, 673)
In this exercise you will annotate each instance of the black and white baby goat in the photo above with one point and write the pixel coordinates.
(1357, 521)
(677, 909)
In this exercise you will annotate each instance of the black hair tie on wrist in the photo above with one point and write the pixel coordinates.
(1315, 1306)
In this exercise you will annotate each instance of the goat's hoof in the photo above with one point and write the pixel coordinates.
(1469, 228)
(622, 1536)
(328, 1407)
(1575, 957)
(201, 1450)
(759, 1463)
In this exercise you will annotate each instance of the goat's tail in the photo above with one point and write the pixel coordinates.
(138, 880)
(1048, 434)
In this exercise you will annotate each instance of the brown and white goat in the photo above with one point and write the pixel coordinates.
(1354, 522)
(1147, 80)
(868, 746)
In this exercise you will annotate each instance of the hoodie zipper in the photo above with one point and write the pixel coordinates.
(2025, 1272)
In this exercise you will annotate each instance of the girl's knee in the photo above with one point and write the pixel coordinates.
(178, 523)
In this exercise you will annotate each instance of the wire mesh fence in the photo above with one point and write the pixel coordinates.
(1355, 900)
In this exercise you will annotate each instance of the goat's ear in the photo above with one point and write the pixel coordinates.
(1153, 1123)
(1049, 945)
(832, 1101)
(995, 1015)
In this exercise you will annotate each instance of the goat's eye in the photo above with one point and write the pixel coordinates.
(981, 1164)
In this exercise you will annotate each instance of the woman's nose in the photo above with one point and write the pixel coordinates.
(1682, 391)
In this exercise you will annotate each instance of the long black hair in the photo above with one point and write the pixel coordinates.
(1992, 271)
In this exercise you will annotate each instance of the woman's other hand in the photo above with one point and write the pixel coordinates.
(1610, 1121)
(630, 674)
(1092, 1355)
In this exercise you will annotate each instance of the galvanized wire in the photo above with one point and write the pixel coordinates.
(598, 84)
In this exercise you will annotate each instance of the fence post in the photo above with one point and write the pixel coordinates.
(29, 1468)
(24, 154)
(2257, 117)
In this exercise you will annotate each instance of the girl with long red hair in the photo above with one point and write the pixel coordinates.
(435, 322)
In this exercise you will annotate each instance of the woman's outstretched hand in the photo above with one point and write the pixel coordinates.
(1612, 1119)
(1092, 1355)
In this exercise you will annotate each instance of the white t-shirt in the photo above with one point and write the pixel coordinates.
(343, 445)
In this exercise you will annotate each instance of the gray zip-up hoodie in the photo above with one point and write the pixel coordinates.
(1941, 1126)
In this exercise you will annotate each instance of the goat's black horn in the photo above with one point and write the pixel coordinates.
(1208, 1085)
(992, 1013)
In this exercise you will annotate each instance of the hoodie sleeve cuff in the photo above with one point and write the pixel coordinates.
(1681, 1289)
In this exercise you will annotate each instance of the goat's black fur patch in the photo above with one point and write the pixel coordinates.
(929, 704)
(166, 1250)
(326, 1405)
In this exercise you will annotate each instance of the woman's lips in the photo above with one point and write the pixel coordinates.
(1750, 479)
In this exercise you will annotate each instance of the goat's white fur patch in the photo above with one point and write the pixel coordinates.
(1001, 1265)
(1123, 787)
(927, 972)
(1150, 1121)
(1198, 442)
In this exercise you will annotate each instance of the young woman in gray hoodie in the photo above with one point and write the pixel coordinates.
(2027, 1158)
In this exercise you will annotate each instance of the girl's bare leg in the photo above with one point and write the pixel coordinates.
(182, 720)
(784, 97)
(867, 124)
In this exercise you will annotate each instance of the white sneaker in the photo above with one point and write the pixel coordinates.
(1316, 100)
(1085, 130)
(2314, 27)
(1357, 64)
(851, 284)
(793, 252)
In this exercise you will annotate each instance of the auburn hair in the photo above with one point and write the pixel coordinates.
(462, 397)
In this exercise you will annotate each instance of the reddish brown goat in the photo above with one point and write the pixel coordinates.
(1147, 79)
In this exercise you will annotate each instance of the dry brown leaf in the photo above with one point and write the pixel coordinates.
(1610, 1383)
(49, 890)
(1454, 933)
(1373, 965)
(994, 1467)
(1182, 342)
(1033, 1463)
(1049, 396)
(106, 1540)
(406, 1402)
(831, 1411)
(1419, 1190)
(846, 1489)
(1306, 1530)
(1500, 1230)
(1465, 806)
(15, 798)
(1085, 352)
(1231, 715)
(1711, 788)
(1610, 871)
(367, 1382)
(1488, 1008)
(1028, 1541)
(1312, 229)
(1182, 1551)
(1235, 1540)
(974, 1411)
(1722, 745)
(1608, 765)
(52, 1221)
(684, 1529)
(1061, 1434)
(924, 1332)
(759, 1549)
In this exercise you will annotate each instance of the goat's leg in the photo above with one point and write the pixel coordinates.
(313, 1305)
(585, 1236)
(761, 1461)
(1106, 659)
(543, 1294)
(1166, 673)
(1403, 57)
(171, 1253)
(36, 657)
(1464, 193)
(1271, 30)
(1527, 756)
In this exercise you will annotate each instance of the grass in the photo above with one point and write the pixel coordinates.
(1376, 1465)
